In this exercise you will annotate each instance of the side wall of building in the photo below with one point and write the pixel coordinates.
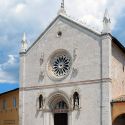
(118, 108)
(9, 112)
(118, 71)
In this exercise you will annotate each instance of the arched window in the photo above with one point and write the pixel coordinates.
(75, 100)
(40, 101)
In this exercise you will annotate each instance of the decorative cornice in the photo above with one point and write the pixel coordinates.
(57, 111)
(69, 84)
(106, 36)
(22, 53)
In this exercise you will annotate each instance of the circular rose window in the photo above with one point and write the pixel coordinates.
(59, 65)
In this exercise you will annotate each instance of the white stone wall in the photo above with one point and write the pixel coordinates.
(87, 47)
(93, 77)
(88, 114)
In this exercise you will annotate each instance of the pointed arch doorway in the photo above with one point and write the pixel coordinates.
(59, 107)
(60, 113)
(60, 119)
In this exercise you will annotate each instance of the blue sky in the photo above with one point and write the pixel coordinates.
(32, 16)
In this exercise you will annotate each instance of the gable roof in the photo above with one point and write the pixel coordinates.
(65, 17)
(120, 45)
(17, 89)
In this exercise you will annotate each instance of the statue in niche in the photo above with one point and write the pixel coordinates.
(40, 101)
(41, 59)
(75, 100)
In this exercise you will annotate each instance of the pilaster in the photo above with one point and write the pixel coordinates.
(105, 88)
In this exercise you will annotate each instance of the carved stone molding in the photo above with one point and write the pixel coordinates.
(74, 54)
(41, 59)
(41, 74)
(75, 83)
(74, 69)
(74, 72)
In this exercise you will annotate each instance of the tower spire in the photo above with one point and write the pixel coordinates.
(62, 9)
(106, 22)
(23, 43)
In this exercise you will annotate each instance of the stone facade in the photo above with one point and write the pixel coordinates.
(118, 71)
(89, 76)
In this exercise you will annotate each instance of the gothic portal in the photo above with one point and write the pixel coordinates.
(60, 119)
(59, 108)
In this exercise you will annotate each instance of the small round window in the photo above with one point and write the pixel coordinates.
(59, 34)
(59, 65)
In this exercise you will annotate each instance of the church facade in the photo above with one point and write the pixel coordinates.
(69, 75)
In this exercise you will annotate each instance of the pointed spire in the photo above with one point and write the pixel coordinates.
(62, 9)
(62, 4)
(24, 37)
(106, 15)
(106, 23)
(23, 43)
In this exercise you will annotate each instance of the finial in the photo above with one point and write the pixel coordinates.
(62, 9)
(24, 43)
(24, 36)
(106, 22)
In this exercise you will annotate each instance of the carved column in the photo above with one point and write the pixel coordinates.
(69, 118)
(51, 118)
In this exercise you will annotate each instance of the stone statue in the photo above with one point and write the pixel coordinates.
(40, 101)
(75, 100)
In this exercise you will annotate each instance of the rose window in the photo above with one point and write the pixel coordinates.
(60, 64)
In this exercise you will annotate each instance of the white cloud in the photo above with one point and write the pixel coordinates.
(7, 70)
(6, 78)
(92, 11)
(41, 11)
(11, 61)
(19, 8)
